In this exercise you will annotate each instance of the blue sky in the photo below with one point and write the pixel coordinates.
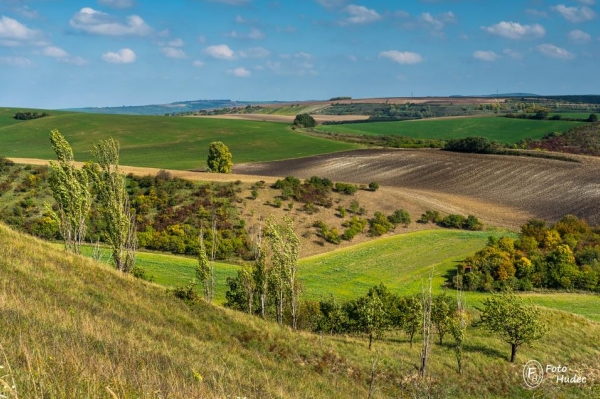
(58, 54)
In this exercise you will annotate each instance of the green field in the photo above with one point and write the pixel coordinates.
(504, 130)
(402, 262)
(157, 141)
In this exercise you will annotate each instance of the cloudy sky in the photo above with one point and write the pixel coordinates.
(64, 53)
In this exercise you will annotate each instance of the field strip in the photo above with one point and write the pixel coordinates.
(284, 118)
(184, 174)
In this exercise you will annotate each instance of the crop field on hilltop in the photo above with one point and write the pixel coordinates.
(493, 187)
(157, 141)
(505, 130)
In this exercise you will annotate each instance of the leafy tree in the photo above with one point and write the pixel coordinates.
(453, 221)
(284, 245)
(593, 118)
(516, 324)
(70, 189)
(410, 311)
(379, 224)
(305, 121)
(371, 317)
(219, 158)
(114, 204)
(203, 268)
(443, 311)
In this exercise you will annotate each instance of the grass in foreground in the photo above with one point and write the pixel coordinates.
(72, 328)
(158, 141)
(504, 130)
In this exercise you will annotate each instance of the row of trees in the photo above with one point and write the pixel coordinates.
(28, 115)
(269, 286)
(74, 189)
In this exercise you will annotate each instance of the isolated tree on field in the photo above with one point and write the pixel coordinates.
(284, 245)
(70, 189)
(427, 304)
(305, 120)
(219, 158)
(515, 323)
(114, 204)
(411, 315)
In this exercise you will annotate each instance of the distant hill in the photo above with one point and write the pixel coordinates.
(162, 109)
(502, 95)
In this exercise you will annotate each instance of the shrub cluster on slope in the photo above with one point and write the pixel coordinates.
(565, 255)
(579, 140)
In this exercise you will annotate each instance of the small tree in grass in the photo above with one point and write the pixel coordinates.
(219, 158)
(515, 323)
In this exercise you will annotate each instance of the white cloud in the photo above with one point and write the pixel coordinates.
(173, 52)
(55, 52)
(198, 64)
(14, 33)
(99, 23)
(240, 72)
(550, 50)
(117, 3)
(221, 52)
(579, 36)
(439, 22)
(514, 30)
(359, 15)
(575, 14)
(27, 12)
(513, 54)
(255, 52)
(402, 57)
(176, 43)
(16, 61)
(254, 34)
(63, 56)
(487, 55)
(123, 56)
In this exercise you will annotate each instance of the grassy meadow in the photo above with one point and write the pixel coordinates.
(71, 327)
(505, 130)
(158, 141)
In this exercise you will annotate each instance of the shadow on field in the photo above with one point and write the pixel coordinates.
(485, 350)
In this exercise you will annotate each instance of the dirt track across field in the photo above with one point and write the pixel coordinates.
(286, 118)
(503, 190)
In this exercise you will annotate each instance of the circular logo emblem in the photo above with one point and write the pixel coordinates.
(533, 374)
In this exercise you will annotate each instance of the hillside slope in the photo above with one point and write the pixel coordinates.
(70, 328)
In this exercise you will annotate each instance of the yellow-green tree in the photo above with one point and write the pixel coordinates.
(219, 158)
(70, 189)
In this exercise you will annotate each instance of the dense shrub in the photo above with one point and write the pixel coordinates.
(305, 120)
(353, 226)
(479, 145)
(348, 189)
(379, 224)
(400, 216)
(430, 217)
(373, 186)
(453, 221)
(28, 115)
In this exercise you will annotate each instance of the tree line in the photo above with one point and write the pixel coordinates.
(28, 115)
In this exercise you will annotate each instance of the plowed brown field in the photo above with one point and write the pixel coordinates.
(502, 190)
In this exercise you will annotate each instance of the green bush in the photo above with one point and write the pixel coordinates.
(379, 224)
(373, 186)
(400, 216)
(348, 189)
(430, 217)
(305, 120)
(453, 221)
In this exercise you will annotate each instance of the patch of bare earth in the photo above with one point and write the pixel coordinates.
(502, 190)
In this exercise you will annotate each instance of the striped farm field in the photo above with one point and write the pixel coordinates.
(505, 130)
(158, 141)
